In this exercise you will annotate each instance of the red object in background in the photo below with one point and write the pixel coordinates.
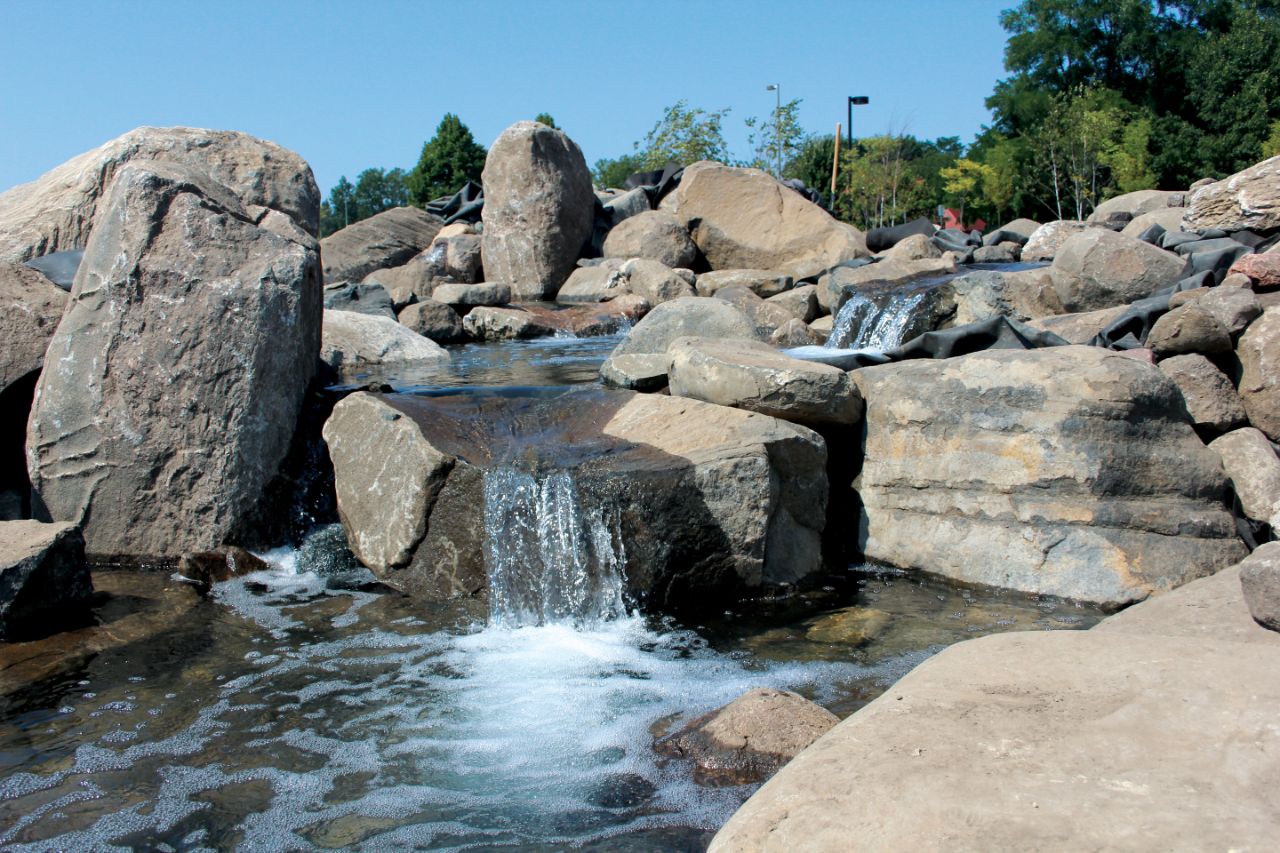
(951, 219)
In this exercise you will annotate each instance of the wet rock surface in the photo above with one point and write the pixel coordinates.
(44, 581)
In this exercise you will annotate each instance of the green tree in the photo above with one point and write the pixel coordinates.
(882, 181)
(777, 139)
(340, 209)
(964, 180)
(545, 118)
(684, 135)
(449, 159)
(377, 190)
(1271, 146)
(811, 163)
(614, 173)
(1000, 182)
(1128, 156)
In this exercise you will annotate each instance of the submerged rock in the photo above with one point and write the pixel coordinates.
(44, 580)
(700, 501)
(1070, 471)
(182, 361)
(749, 739)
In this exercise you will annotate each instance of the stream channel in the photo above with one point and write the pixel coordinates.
(299, 709)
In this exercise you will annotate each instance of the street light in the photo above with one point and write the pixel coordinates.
(855, 101)
(777, 129)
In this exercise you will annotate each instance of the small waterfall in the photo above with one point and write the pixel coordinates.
(548, 560)
(861, 324)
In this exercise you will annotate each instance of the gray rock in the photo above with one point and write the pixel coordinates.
(984, 294)
(760, 282)
(1001, 253)
(706, 501)
(418, 277)
(1023, 228)
(691, 316)
(1168, 218)
(758, 378)
(1259, 386)
(794, 333)
(364, 298)
(433, 320)
(456, 257)
(538, 209)
(800, 302)
(1188, 328)
(990, 728)
(182, 361)
(30, 308)
(767, 317)
(645, 372)
(744, 219)
(916, 247)
(1249, 199)
(1044, 242)
(1260, 582)
(505, 324)
(1137, 203)
(1234, 307)
(595, 283)
(359, 343)
(1070, 471)
(56, 211)
(1079, 328)
(1251, 464)
(749, 739)
(1211, 399)
(467, 296)
(654, 281)
(822, 326)
(630, 203)
(387, 239)
(1097, 268)
(44, 579)
(655, 235)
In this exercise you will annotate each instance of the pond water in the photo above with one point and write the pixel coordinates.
(299, 709)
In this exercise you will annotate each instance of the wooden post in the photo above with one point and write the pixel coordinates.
(835, 166)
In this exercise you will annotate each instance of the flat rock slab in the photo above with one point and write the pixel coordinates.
(756, 377)
(353, 343)
(387, 239)
(43, 576)
(1157, 725)
(706, 500)
(1069, 470)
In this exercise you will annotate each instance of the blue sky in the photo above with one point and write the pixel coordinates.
(351, 86)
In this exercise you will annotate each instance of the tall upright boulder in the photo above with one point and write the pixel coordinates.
(539, 209)
(746, 219)
(178, 371)
(54, 213)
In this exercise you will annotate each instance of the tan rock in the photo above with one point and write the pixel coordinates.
(387, 239)
(30, 308)
(1044, 242)
(1097, 268)
(1211, 399)
(1259, 386)
(1249, 199)
(655, 235)
(1251, 463)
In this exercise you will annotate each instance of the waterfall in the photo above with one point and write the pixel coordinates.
(548, 559)
(861, 324)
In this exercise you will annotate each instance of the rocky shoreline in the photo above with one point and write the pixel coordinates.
(1085, 410)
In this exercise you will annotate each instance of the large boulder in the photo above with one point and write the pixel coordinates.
(754, 376)
(654, 234)
(355, 344)
(1249, 199)
(984, 294)
(745, 219)
(44, 580)
(30, 308)
(767, 317)
(539, 209)
(387, 239)
(693, 502)
(1071, 471)
(1259, 386)
(56, 211)
(1158, 725)
(181, 364)
(747, 740)
(656, 282)
(1098, 268)
(1251, 463)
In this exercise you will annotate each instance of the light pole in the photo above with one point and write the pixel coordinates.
(855, 101)
(777, 129)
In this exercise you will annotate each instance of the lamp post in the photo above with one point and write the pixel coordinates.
(777, 129)
(855, 101)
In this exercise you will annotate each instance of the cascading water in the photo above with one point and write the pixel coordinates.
(862, 324)
(548, 560)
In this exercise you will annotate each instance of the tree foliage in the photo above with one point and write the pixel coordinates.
(374, 191)
(777, 139)
(449, 159)
(614, 172)
(545, 118)
(684, 135)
